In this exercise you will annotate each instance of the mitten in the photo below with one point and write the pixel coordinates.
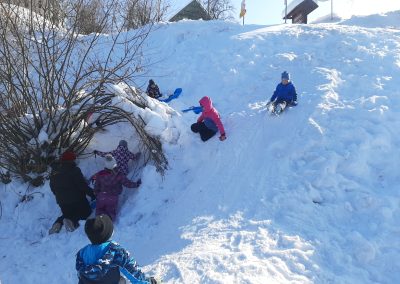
(152, 280)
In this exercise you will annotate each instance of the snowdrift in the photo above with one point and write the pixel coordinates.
(385, 20)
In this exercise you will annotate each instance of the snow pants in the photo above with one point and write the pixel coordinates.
(74, 211)
(203, 130)
(107, 204)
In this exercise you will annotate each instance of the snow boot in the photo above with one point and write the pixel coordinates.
(55, 229)
(278, 109)
(69, 225)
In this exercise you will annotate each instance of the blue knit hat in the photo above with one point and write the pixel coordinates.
(285, 75)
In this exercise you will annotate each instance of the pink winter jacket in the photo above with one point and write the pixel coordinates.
(211, 113)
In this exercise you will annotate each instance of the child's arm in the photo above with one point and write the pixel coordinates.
(123, 259)
(100, 153)
(134, 156)
(219, 124)
(130, 184)
(274, 95)
(201, 118)
(294, 94)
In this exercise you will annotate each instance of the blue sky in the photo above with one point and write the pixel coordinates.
(268, 12)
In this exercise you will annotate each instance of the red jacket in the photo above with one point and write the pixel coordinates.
(209, 112)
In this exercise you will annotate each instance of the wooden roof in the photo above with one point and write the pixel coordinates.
(192, 11)
(298, 10)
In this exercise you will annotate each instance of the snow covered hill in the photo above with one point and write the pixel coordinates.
(307, 197)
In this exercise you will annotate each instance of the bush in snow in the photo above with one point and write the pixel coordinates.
(52, 83)
(142, 12)
(219, 9)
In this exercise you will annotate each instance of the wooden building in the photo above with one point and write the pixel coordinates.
(191, 11)
(298, 10)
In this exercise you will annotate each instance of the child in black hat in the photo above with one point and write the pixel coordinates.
(153, 90)
(102, 261)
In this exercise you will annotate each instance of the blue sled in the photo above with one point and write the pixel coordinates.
(175, 95)
(131, 278)
(195, 109)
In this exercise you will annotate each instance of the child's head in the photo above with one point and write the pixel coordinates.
(109, 162)
(285, 77)
(206, 103)
(99, 229)
(123, 143)
(68, 156)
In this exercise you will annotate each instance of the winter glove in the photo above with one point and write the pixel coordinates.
(222, 137)
(138, 183)
(95, 152)
(152, 280)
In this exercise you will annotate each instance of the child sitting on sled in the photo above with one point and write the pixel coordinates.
(284, 95)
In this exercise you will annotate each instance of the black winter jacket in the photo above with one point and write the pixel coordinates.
(68, 184)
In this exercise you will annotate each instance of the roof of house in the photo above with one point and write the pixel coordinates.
(306, 6)
(185, 9)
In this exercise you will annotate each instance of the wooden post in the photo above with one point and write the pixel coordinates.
(285, 11)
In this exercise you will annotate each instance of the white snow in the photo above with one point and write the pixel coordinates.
(293, 4)
(311, 196)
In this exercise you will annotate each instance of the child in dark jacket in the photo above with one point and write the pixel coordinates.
(122, 155)
(209, 122)
(108, 187)
(102, 261)
(284, 95)
(153, 90)
(70, 189)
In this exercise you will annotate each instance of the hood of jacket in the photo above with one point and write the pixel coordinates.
(206, 103)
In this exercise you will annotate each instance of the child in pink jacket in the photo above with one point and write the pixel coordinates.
(209, 122)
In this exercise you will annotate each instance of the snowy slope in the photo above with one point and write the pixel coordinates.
(384, 20)
(308, 197)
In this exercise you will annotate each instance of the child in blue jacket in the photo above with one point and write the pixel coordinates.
(284, 95)
(102, 261)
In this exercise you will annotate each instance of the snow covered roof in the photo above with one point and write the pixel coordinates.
(297, 10)
(192, 9)
(177, 6)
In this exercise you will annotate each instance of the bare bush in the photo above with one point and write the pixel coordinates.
(142, 12)
(89, 16)
(219, 9)
(51, 81)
